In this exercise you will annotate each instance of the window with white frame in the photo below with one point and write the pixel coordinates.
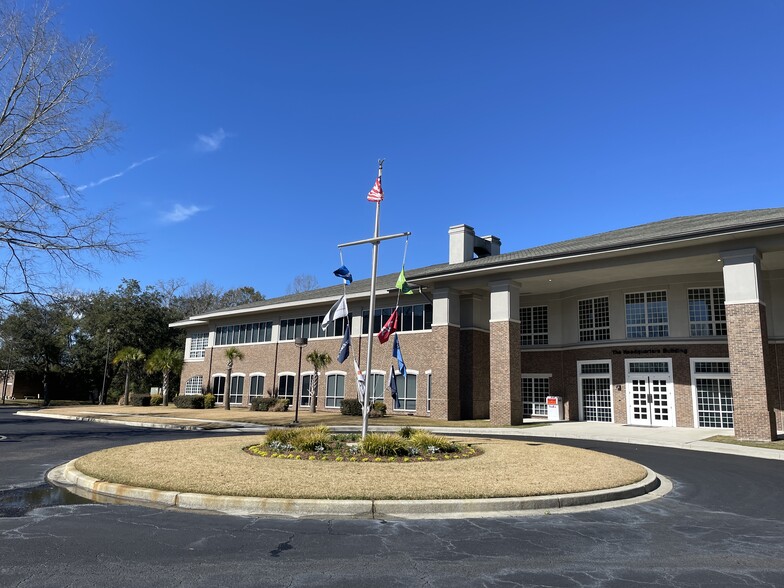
(406, 391)
(646, 315)
(245, 333)
(310, 327)
(533, 325)
(256, 386)
(286, 383)
(218, 386)
(415, 317)
(594, 319)
(536, 389)
(713, 392)
(429, 388)
(377, 386)
(304, 395)
(707, 316)
(194, 385)
(198, 345)
(336, 390)
(237, 386)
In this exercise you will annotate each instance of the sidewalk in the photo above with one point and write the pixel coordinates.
(675, 437)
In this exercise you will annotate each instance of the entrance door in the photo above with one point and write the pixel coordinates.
(650, 396)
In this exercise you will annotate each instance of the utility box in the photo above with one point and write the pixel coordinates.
(555, 411)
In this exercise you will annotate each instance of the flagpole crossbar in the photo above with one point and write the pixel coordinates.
(374, 240)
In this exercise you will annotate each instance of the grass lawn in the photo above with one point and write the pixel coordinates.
(219, 465)
(778, 444)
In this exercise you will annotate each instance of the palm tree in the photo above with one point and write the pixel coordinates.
(165, 361)
(128, 357)
(231, 354)
(319, 361)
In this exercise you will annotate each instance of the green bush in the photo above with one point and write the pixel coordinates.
(262, 404)
(350, 407)
(209, 400)
(156, 400)
(280, 405)
(281, 435)
(424, 440)
(379, 407)
(384, 444)
(310, 438)
(189, 401)
(406, 432)
(139, 400)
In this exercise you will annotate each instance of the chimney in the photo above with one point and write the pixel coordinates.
(464, 245)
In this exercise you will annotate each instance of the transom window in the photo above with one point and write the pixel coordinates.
(533, 325)
(594, 319)
(247, 333)
(406, 391)
(336, 390)
(416, 317)
(310, 328)
(646, 315)
(536, 389)
(194, 385)
(649, 367)
(198, 345)
(707, 316)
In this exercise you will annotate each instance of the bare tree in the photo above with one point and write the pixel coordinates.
(50, 111)
(302, 283)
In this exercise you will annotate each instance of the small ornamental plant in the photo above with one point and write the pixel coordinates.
(318, 444)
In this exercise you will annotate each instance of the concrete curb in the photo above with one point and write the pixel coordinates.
(67, 417)
(69, 477)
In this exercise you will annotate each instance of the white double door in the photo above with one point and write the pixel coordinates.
(650, 395)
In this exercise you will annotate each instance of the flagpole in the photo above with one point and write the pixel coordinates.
(371, 313)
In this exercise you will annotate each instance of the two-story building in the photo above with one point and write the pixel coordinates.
(672, 323)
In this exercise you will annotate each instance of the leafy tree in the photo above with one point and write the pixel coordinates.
(231, 354)
(319, 361)
(50, 111)
(128, 357)
(302, 283)
(206, 296)
(240, 296)
(165, 361)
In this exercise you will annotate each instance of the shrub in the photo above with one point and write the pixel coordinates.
(379, 407)
(262, 404)
(280, 405)
(426, 441)
(284, 436)
(351, 407)
(189, 401)
(310, 438)
(156, 399)
(384, 444)
(139, 400)
(406, 432)
(209, 400)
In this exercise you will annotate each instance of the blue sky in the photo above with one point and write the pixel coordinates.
(252, 129)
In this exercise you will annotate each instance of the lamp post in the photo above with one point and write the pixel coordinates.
(299, 342)
(102, 399)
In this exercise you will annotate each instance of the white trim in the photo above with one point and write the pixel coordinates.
(669, 376)
(580, 376)
(416, 397)
(728, 376)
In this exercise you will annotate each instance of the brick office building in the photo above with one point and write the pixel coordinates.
(673, 323)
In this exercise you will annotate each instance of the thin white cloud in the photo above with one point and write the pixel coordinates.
(134, 165)
(211, 142)
(180, 213)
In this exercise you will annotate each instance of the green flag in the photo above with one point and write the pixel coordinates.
(402, 285)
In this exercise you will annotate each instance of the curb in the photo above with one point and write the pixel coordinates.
(67, 476)
(66, 417)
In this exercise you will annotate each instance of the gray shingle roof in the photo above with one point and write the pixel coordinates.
(647, 234)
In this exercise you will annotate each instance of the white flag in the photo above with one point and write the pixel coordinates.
(338, 310)
(360, 383)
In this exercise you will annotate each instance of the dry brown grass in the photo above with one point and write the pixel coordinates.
(777, 444)
(220, 466)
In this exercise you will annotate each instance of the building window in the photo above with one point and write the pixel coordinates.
(336, 389)
(646, 315)
(237, 385)
(707, 316)
(406, 391)
(194, 385)
(536, 389)
(198, 345)
(218, 386)
(304, 395)
(713, 393)
(595, 391)
(594, 319)
(416, 317)
(310, 328)
(429, 388)
(256, 386)
(533, 325)
(247, 333)
(377, 386)
(286, 387)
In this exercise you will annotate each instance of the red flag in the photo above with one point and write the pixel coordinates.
(377, 193)
(389, 327)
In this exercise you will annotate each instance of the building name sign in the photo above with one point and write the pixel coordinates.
(663, 350)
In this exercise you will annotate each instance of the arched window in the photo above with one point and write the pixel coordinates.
(336, 389)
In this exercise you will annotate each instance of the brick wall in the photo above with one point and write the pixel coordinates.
(506, 403)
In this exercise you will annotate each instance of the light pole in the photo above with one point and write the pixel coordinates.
(299, 342)
(102, 399)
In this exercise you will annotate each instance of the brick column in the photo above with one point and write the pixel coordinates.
(747, 340)
(506, 401)
(445, 358)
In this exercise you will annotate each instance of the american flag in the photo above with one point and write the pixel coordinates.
(377, 193)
